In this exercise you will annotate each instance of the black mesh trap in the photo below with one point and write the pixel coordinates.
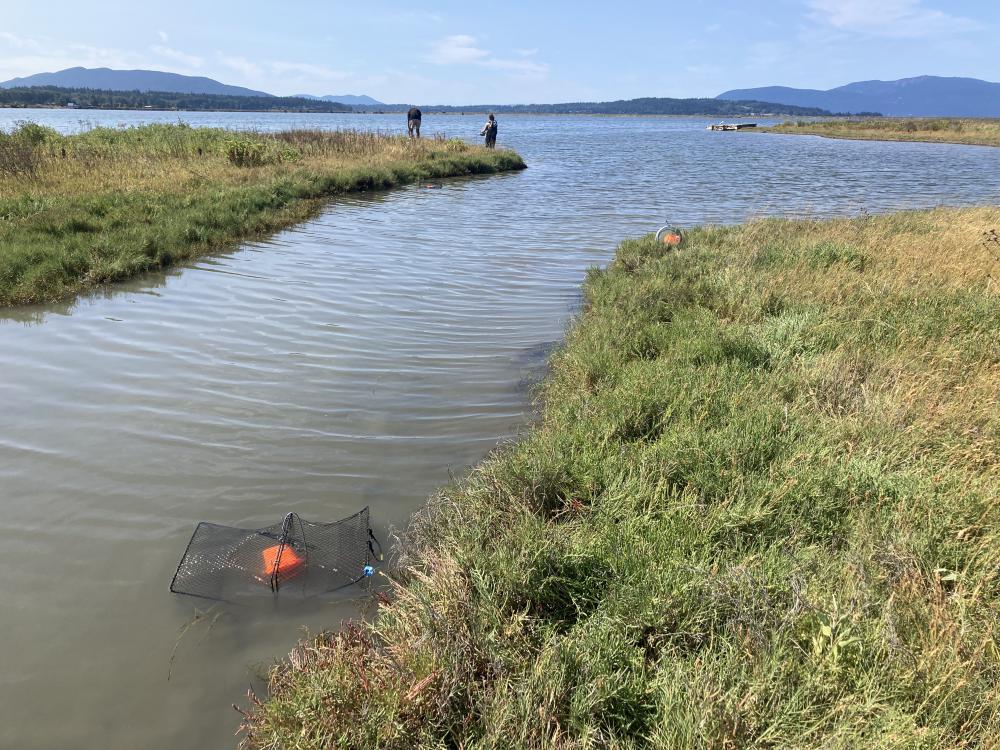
(294, 557)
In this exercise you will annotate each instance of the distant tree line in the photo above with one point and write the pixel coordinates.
(55, 96)
(645, 106)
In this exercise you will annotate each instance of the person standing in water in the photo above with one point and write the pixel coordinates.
(413, 122)
(490, 131)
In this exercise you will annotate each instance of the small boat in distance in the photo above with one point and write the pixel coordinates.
(732, 126)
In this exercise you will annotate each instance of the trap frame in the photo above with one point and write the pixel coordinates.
(296, 557)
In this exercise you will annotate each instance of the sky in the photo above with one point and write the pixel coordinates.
(513, 51)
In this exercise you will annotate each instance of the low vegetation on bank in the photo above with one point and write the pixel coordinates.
(760, 509)
(971, 132)
(108, 203)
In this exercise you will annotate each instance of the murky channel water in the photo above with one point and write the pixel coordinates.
(354, 360)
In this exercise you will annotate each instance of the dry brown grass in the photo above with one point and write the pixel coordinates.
(172, 157)
(973, 132)
(904, 262)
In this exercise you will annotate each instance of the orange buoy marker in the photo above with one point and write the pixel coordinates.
(281, 563)
(670, 236)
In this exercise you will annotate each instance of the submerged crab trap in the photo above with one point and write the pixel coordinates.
(294, 557)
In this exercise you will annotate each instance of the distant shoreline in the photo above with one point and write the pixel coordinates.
(171, 109)
(483, 113)
(959, 131)
(464, 113)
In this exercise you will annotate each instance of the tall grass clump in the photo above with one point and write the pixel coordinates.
(20, 153)
(110, 203)
(759, 509)
(981, 132)
(249, 152)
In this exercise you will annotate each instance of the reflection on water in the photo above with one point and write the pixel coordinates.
(354, 360)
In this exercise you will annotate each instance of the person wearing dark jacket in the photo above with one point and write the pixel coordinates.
(413, 122)
(490, 131)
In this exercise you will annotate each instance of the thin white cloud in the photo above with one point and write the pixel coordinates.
(407, 17)
(889, 18)
(459, 49)
(292, 76)
(767, 54)
(23, 56)
(462, 49)
(163, 36)
(21, 42)
(241, 65)
(521, 67)
(190, 61)
(309, 70)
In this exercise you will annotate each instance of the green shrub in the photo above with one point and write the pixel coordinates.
(247, 152)
(34, 134)
(18, 156)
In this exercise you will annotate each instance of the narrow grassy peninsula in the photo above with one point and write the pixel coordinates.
(107, 204)
(972, 132)
(760, 509)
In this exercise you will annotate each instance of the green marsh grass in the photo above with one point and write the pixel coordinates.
(974, 132)
(108, 203)
(759, 509)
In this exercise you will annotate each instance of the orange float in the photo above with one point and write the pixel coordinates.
(281, 563)
(670, 236)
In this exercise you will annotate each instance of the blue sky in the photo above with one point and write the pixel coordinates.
(506, 52)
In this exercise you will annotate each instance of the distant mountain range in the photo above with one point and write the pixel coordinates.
(930, 96)
(924, 96)
(81, 86)
(106, 79)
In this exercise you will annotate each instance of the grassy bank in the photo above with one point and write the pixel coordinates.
(932, 130)
(759, 510)
(107, 204)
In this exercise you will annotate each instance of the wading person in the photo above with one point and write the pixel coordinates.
(490, 131)
(413, 122)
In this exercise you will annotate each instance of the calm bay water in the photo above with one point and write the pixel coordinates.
(354, 360)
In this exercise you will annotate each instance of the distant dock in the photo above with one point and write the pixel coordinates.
(732, 126)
